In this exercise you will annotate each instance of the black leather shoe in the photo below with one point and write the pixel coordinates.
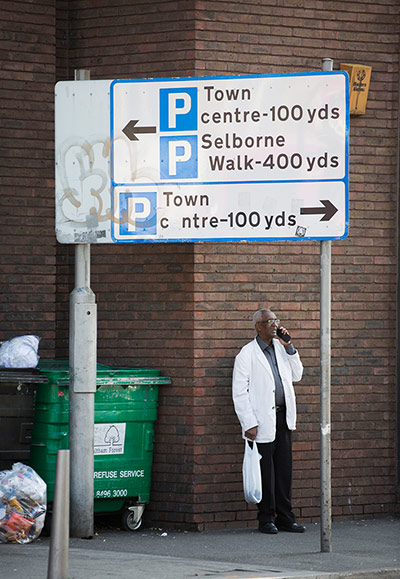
(268, 528)
(292, 528)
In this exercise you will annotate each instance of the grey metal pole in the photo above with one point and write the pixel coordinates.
(325, 387)
(82, 356)
(59, 540)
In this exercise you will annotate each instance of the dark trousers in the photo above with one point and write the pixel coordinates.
(276, 473)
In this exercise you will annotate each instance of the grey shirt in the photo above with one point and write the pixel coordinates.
(269, 353)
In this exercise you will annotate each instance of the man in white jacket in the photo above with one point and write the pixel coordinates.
(265, 403)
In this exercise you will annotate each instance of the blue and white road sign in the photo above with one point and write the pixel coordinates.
(208, 159)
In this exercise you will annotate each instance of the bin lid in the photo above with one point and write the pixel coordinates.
(131, 380)
(105, 378)
(57, 372)
(130, 376)
(31, 375)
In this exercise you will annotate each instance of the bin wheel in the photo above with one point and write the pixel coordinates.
(130, 522)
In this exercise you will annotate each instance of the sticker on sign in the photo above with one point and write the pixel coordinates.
(203, 159)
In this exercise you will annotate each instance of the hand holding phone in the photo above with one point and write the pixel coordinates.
(283, 336)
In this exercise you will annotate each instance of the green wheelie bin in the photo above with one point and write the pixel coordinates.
(126, 402)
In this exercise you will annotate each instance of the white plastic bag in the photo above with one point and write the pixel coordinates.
(252, 473)
(20, 352)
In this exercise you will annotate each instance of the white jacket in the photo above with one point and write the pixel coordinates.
(253, 388)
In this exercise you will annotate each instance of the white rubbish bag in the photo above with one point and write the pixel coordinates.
(20, 352)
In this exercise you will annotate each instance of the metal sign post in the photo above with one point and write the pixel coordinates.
(82, 387)
(325, 387)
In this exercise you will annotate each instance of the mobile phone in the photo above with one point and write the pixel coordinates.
(284, 337)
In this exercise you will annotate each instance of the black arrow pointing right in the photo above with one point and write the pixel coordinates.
(328, 211)
(130, 130)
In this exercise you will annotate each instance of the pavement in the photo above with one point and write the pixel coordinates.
(364, 549)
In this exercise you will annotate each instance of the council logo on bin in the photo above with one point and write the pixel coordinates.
(109, 438)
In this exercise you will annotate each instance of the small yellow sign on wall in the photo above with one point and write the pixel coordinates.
(359, 78)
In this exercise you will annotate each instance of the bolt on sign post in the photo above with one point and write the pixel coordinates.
(237, 158)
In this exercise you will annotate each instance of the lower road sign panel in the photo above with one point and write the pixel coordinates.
(229, 212)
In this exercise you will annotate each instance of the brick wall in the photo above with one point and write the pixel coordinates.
(27, 257)
(123, 39)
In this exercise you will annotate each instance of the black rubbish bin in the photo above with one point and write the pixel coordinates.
(17, 394)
